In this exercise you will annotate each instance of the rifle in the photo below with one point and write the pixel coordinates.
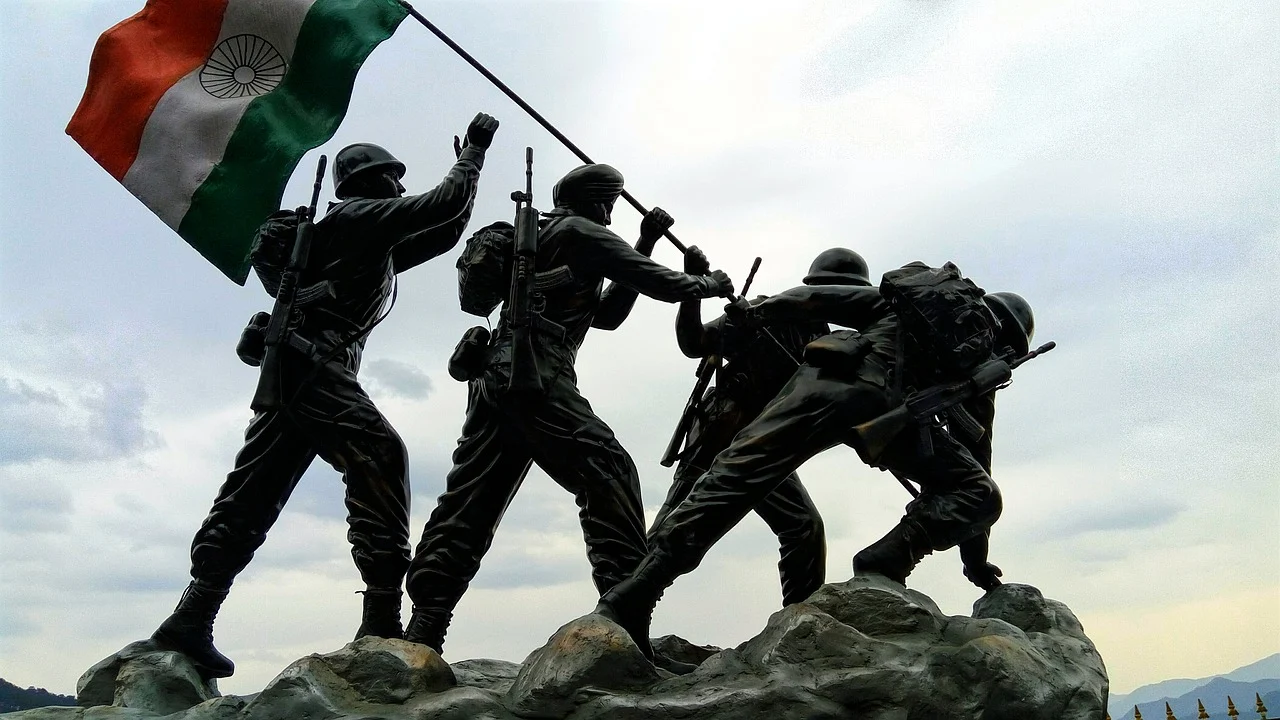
(267, 396)
(920, 408)
(524, 363)
(706, 369)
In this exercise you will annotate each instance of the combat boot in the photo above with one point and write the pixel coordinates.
(630, 603)
(189, 630)
(896, 554)
(381, 617)
(428, 627)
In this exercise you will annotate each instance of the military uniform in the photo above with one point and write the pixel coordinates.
(813, 412)
(357, 248)
(758, 368)
(504, 433)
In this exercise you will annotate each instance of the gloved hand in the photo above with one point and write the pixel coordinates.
(722, 285)
(479, 133)
(655, 222)
(695, 262)
(741, 312)
(985, 576)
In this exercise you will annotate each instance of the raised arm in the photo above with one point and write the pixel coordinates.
(694, 338)
(617, 300)
(430, 219)
(852, 306)
(598, 250)
(426, 244)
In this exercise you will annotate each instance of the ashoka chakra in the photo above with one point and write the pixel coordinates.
(242, 65)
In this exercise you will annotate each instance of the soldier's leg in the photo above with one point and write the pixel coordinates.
(489, 464)
(958, 500)
(812, 413)
(718, 420)
(802, 539)
(358, 441)
(580, 453)
(267, 468)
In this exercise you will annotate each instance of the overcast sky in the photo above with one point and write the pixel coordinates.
(1116, 163)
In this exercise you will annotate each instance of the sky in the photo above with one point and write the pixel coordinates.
(1115, 163)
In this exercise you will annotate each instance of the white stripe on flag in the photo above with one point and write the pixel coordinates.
(187, 134)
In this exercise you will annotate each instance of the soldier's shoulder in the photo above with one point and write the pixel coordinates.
(579, 225)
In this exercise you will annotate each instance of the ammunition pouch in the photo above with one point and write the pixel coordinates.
(840, 350)
(253, 340)
(252, 347)
(467, 361)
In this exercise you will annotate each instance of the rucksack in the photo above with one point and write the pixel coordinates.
(272, 245)
(943, 316)
(484, 269)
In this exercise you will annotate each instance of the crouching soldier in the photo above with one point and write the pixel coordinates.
(815, 411)
(760, 361)
(319, 407)
(973, 421)
(505, 430)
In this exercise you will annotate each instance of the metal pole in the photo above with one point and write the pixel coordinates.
(529, 109)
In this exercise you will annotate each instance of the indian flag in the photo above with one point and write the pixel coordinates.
(203, 108)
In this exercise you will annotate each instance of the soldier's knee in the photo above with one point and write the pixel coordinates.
(817, 529)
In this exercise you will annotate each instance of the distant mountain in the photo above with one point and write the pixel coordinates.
(14, 698)
(1261, 678)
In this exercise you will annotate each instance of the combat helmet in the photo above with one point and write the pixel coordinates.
(1017, 324)
(838, 266)
(357, 158)
(586, 186)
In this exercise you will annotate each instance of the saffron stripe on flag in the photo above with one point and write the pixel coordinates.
(111, 116)
(278, 128)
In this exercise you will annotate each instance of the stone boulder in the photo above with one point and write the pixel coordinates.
(143, 677)
(866, 649)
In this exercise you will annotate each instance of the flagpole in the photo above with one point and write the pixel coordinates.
(529, 109)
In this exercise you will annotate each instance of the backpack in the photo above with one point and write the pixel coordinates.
(943, 316)
(272, 246)
(484, 269)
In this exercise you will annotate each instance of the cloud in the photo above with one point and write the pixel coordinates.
(1112, 516)
(100, 420)
(33, 504)
(397, 379)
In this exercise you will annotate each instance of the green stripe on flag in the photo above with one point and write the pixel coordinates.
(278, 128)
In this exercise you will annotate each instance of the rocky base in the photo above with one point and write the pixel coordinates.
(868, 649)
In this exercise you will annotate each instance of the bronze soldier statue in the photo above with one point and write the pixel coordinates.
(506, 431)
(1017, 328)
(759, 365)
(359, 246)
(814, 411)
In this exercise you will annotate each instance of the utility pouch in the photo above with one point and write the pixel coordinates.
(253, 340)
(840, 350)
(467, 361)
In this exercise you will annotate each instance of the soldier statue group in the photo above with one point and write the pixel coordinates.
(909, 384)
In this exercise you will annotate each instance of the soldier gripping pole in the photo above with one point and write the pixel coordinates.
(706, 369)
(529, 109)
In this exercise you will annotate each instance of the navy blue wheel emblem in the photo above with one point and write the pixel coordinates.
(240, 66)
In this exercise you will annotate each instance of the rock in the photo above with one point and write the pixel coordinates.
(677, 648)
(588, 655)
(868, 648)
(878, 606)
(369, 671)
(461, 703)
(495, 675)
(382, 670)
(143, 677)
